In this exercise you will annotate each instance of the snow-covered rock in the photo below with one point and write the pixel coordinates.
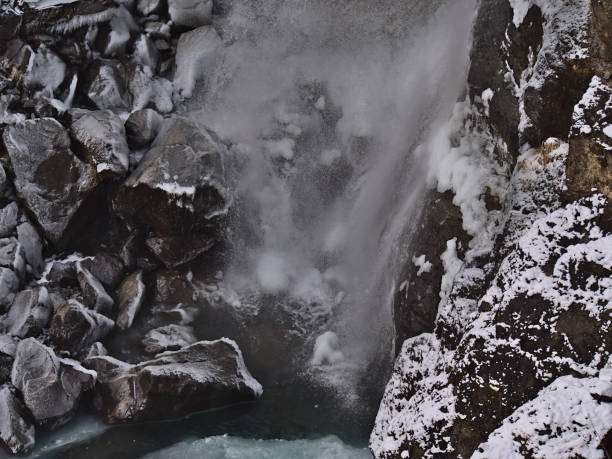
(8, 219)
(48, 176)
(16, 430)
(169, 338)
(190, 13)
(32, 245)
(9, 284)
(108, 87)
(29, 314)
(204, 375)
(101, 136)
(12, 256)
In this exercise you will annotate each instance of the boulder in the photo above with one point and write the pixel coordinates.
(169, 338)
(62, 273)
(174, 251)
(94, 294)
(9, 284)
(146, 7)
(3, 181)
(145, 52)
(32, 245)
(131, 295)
(8, 347)
(108, 88)
(45, 71)
(142, 126)
(106, 268)
(51, 180)
(204, 375)
(12, 256)
(195, 52)
(75, 328)
(97, 349)
(29, 314)
(16, 429)
(190, 13)
(101, 137)
(8, 219)
(178, 189)
(51, 387)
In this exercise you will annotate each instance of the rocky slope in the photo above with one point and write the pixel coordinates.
(105, 193)
(512, 358)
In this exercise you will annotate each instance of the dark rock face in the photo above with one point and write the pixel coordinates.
(16, 430)
(178, 191)
(94, 294)
(131, 296)
(29, 314)
(101, 136)
(142, 127)
(198, 377)
(74, 327)
(108, 269)
(51, 387)
(168, 338)
(48, 177)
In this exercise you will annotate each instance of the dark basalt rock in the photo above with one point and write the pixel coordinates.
(169, 338)
(178, 190)
(9, 285)
(142, 126)
(130, 296)
(107, 86)
(51, 180)
(51, 387)
(16, 428)
(100, 135)
(29, 314)
(62, 273)
(94, 294)
(75, 328)
(108, 269)
(204, 375)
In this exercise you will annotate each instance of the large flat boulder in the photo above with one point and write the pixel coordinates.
(51, 180)
(204, 375)
(51, 387)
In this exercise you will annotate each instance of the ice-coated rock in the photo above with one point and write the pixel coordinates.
(130, 297)
(9, 284)
(75, 328)
(190, 13)
(8, 219)
(196, 50)
(51, 387)
(178, 189)
(12, 256)
(101, 137)
(32, 245)
(142, 126)
(52, 181)
(169, 338)
(94, 294)
(108, 88)
(148, 90)
(146, 7)
(122, 27)
(201, 376)
(145, 52)
(29, 314)
(16, 430)
(46, 70)
(108, 269)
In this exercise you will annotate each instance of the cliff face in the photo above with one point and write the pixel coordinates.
(515, 310)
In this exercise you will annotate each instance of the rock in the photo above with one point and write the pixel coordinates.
(10, 26)
(108, 88)
(12, 256)
(51, 387)
(175, 251)
(131, 295)
(146, 7)
(75, 328)
(120, 31)
(141, 127)
(8, 347)
(157, 29)
(196, 51)
(204, 375)
(16, 430)
(94, 294)
(190, 13)
(178, 188)
(8, 219)
(168, 338)
(62, 273)
(9, 284)
(148, 90)
(50, 179)
(101, 137)
(3, 181)
(46, 70)
(15, 57)
(32, 245)
(108, 269)
(145, 52)
(29, 314)
(97, 349)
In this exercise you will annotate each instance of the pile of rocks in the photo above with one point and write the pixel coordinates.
(101, 186)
